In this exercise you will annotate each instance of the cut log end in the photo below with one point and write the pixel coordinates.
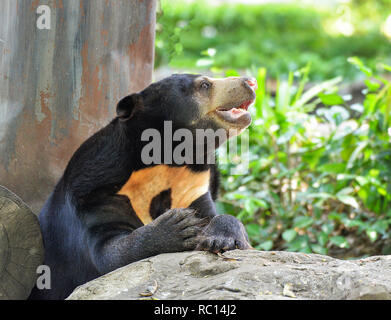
(21, 247)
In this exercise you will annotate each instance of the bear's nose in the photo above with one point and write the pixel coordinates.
(252, 82)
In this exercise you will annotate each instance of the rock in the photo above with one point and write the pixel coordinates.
(246, 274)
(21, 247)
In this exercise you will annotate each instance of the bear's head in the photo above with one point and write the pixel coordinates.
(192, 102)
(191, 113)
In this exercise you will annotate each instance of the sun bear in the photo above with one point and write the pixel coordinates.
(110, 208)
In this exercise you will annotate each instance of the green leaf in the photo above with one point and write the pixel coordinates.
(303, 222)
(360, 65)
(253, 230)
(386, 67)
(318, 249)
(333, 167)
(327, 228)
(339, 241)
(331, 99)
(231, 73)
(345, 191)
(315, 90)
(322, 238)
(362, 180)
(374, 173)
(381, 226)
(203, 62)
(289, 235)
(372, 234)
(321, 195)
(372, 86)
(356, 153)
(234, 196)
(267, 245)
(349, 200)
(250, 206)
(334, 216)
(260, 203)
(382, 191)
(220, 207)
(352, 223)
(306, 249)
(299, 243)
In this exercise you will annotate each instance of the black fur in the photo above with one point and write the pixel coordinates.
(89, 230)
(160, 203)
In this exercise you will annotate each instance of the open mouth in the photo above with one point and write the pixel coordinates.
(237, 115)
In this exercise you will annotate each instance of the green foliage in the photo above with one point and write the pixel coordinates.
(320, 170)
(280, 37)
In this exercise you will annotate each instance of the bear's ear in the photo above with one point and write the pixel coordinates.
(128, 106)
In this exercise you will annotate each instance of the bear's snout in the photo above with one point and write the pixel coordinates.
(252, 83)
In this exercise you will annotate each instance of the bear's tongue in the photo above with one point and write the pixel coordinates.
(236, 112)
(238, 115)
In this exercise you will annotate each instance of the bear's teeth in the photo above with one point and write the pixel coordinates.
(235, 112)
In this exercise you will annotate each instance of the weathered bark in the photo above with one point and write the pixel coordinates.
(21, 248)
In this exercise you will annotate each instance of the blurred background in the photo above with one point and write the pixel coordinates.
(320, 141)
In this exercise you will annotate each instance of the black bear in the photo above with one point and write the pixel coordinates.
(111, 208)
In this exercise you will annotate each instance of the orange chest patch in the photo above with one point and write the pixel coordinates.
(143, 185)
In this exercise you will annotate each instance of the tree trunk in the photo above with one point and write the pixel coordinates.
(60, 85)
(21, 248)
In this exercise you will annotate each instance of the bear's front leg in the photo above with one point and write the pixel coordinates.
(115, 246)
(223, 233)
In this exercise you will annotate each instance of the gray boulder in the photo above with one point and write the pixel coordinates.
(247, 274)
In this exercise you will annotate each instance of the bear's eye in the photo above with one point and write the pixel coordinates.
(205, 85)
